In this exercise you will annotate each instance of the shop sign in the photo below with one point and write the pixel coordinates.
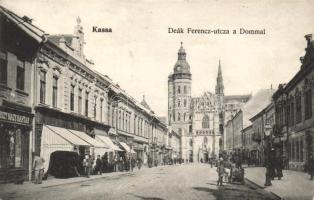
(15, 118)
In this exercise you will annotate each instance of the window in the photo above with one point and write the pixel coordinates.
(185, 90)
(179, 103)
(79, 101)
(184, 102)
(205, 140)
(291, 121)
(179, 89)
(42, 94)
(179, 117)
(54, 91)
(95, 108)
(20, 77)
(205, 122)
(3, 70)
(298, 108)
(101, 107)
(308, 104)
(72, 98)
(86, 104)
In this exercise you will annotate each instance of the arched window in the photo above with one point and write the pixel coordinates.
(205, 122)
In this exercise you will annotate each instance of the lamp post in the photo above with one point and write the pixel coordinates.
(268, 149)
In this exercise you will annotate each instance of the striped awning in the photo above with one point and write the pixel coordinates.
(108, 141)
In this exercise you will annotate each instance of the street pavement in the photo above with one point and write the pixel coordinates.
(293, 185)
(186, 181)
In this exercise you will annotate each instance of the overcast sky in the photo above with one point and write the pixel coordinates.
(140, 53)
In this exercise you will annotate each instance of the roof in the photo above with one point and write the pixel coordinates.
(257, 103)
(24, 23)
(245, 97)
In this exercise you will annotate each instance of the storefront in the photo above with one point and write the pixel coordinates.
(15, 126)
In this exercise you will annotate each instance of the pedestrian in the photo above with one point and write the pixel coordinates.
(98, 167)
(220, 171)
(38, 167)
(311, 167)
(87, 165)
(139, 164)
(132, 163)
(279, 166)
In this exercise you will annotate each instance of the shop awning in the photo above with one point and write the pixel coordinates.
(107, 141)
(127, 148)
(89, 139)
(69, 136)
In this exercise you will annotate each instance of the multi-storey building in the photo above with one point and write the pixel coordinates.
(198, 120)
(293, 110)
(19, 43)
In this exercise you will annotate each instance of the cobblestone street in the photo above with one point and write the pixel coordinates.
(190, 181)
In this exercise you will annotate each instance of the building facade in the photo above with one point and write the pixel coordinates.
(198, 120)
(293, 110)
(19, 43)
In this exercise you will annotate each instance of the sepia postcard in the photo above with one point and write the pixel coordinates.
(157, 100)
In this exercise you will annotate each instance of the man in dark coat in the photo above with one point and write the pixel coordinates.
(311, 166)
(98, 166)
(279, 166)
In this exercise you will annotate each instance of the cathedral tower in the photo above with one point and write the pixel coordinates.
(219, 91)
(179, 99)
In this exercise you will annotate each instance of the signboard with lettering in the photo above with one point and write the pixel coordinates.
(17, 118)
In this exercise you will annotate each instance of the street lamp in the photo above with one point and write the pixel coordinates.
(268, 149)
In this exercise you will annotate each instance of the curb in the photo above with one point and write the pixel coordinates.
(261, 187)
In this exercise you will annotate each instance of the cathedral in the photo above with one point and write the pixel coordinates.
(199, 120)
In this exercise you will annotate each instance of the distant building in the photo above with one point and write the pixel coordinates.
(199, 120)
(241, 120)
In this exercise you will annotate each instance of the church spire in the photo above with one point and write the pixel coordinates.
(181, 53)
(219, 83)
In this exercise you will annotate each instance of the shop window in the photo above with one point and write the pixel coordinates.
(308, 104)
(72, 98)
(3, 70)
(55, 92)
(42, 95)
(79, 101)
(20, 77)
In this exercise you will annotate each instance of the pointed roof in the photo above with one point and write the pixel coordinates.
(181, 66)
(219, 83)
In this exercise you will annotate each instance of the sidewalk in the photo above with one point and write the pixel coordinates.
(51, 181)
(294, 185)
